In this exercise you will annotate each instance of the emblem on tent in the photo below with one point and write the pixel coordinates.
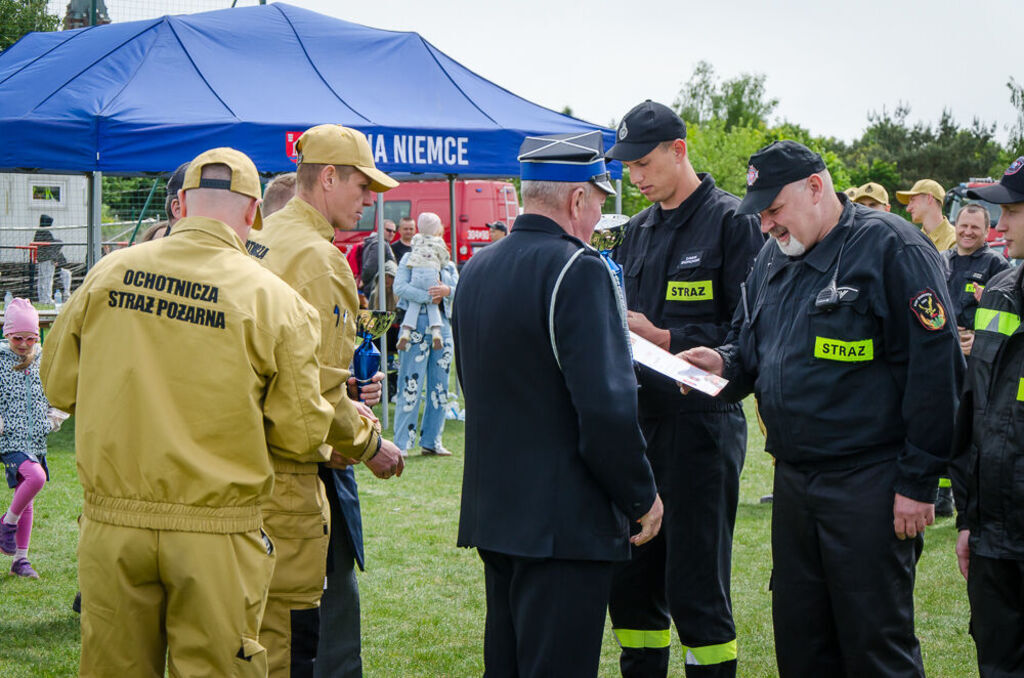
(289, 145)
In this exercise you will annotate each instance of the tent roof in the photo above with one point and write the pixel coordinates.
(148, 95)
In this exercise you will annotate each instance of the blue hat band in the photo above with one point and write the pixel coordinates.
(557, 171)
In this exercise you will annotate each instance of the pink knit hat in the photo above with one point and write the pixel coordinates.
(21, 316)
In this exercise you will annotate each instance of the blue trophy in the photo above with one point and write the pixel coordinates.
(370, 325)
(608, 234)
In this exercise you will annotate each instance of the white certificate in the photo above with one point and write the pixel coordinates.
(660, 360)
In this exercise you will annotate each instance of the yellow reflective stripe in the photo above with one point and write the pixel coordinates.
(945, 482)
(969, 287)
(711, 654)
(698, 290)
(643, 638)
(844, 351)
(990, 320)
(1020, 390)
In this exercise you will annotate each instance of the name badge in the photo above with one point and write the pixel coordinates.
(844, 351)
(698, 290)
(969, 288)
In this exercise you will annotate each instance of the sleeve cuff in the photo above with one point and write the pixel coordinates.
(372, 446)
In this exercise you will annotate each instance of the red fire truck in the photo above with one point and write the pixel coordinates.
(477, 203)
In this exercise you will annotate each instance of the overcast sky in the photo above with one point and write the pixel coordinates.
(828, 62)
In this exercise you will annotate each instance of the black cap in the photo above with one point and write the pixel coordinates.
(45, 221)
(1010, 188)
(177, 179)
(644, 127)
(498, 226)
(774, 166)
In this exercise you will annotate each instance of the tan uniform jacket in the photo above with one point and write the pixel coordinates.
(944, 235)
(185, 362)
(295, 243)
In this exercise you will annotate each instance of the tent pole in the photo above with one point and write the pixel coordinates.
(454, 239)
(382, 305)
(618, 196)
(94, 237)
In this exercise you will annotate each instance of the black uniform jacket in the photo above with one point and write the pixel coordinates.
(555, 459)
(683, 270)
(876, 377)
(964, 273)
(988, 468)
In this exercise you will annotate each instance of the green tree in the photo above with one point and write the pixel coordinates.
(18, 17)
(738, 102)
(124, 198)
(1016, 145)
(896, 153)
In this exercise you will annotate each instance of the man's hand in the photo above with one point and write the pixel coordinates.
(438, 292)
(339, 461)
(364, 410)
(639, 324)
(707, 359)
(387, 462)
(963, 551)
(650, 523)
(369, 393)
(910, 517)
(966, 339)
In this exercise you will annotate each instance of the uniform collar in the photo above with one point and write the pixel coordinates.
(681, 215)
(824, 253)
(541, 224)
(218, 229)
(298, 210)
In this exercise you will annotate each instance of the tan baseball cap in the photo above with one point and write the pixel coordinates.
(872, 191)
(337, 145)
(245, 180)
(851, 192)
(928, 186)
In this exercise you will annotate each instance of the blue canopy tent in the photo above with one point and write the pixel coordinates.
(145, 96)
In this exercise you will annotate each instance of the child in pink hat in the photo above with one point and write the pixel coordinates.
(23, 436)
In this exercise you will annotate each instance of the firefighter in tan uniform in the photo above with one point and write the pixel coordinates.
(186, 364)
(335, 178)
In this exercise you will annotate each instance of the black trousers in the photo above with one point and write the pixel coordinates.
(842, 583)
(684, 573)
(545, 617)
(996, 591)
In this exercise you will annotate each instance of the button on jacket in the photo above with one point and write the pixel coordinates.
(184, 361)
(683, 271)
(874, 378)
(989, 450)
(964, 274)
(555, 462)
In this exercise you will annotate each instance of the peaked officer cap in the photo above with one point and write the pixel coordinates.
(576, 157)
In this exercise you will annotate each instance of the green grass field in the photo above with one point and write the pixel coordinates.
(423, 599)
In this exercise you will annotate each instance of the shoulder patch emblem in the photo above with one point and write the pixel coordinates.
(929, 310)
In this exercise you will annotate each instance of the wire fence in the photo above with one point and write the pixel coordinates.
(79, 13)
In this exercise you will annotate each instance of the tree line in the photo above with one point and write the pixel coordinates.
(728, 120)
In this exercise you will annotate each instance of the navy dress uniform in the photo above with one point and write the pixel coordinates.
(555, 466)
(856, 367)
(989, 453)
(683, 269)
